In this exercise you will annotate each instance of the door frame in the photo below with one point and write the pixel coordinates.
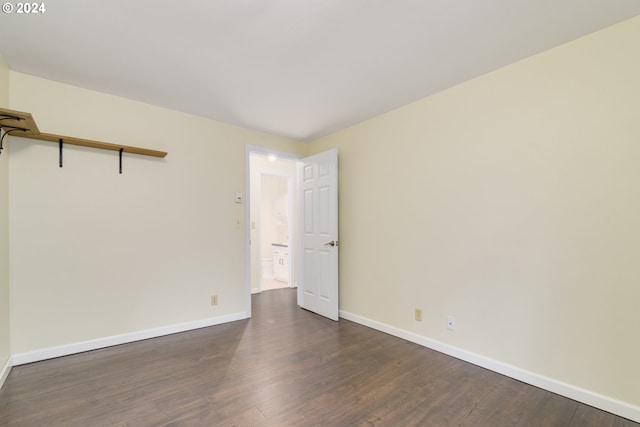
(254, 149)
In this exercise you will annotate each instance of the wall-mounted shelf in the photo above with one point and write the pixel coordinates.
(21, 124)
(93, 144)
(18, 121)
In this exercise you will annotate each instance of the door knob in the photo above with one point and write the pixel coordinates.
(331, 243)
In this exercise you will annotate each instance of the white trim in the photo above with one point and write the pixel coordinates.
(6, 369)
(65, 350)
(248, 149)
(299, 233)
(617, 407)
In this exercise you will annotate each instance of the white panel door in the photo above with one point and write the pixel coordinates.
(318, 287)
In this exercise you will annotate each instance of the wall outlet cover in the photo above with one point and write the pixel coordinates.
(451, 323)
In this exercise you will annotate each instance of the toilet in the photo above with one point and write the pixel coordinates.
(266, 265)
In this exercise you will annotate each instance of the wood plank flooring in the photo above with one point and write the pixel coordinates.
(284, 367)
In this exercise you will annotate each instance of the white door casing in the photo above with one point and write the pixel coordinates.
(318, 288)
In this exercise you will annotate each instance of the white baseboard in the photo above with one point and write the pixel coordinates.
(4, 373)
(65, 350)
(590, 398)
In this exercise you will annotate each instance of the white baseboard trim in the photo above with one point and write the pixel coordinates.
(590, 398)
(65, 350)
(4, 373)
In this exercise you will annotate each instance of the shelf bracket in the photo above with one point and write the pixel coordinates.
(121, 150)
(60, 144)
(7, 132)
(7, 128)
(2, 138)
(10, 117)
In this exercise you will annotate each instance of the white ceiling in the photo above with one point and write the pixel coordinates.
(297, 68)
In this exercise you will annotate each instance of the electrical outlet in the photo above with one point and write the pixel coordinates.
(451, 323)
(418, 315)
(214, 299)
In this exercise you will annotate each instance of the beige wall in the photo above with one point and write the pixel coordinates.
(4, 226)
(96, 254)
(511, 202)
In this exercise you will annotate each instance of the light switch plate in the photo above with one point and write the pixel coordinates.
(239, 197)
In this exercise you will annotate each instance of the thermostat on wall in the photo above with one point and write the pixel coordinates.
(239, 197)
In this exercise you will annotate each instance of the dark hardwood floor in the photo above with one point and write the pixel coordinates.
(284, 367)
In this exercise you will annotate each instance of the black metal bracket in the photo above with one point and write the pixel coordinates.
(8, 129)
(10, 117)
(7, 132)
(2, 138)
(61, 144)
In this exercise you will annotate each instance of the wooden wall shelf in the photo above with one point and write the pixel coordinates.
(21, 124)
(93, 144)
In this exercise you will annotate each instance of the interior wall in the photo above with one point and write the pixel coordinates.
(97, 254)
(4, 228)
(510, 202)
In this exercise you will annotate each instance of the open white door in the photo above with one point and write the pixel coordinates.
(318, 285)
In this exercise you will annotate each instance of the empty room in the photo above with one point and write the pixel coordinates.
(320, 213)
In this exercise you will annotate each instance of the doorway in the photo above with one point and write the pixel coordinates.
(311, 263)
(272, 220)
